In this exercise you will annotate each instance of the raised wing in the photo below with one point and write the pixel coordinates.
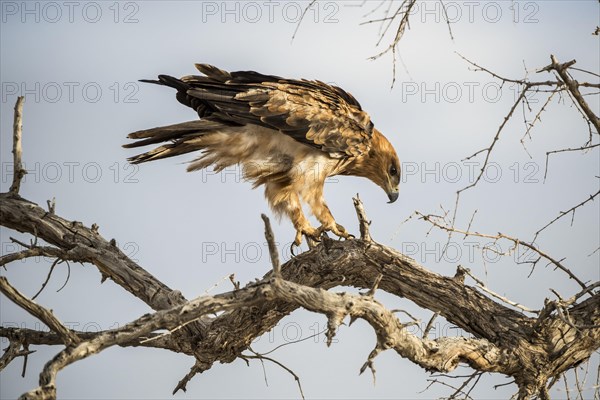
(311, 112)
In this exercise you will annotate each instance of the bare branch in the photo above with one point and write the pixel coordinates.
(363, 221)
(432, 219)
(47, 279)
(478, 67)
(447, 20)
(582, 148)
(430, 324)
(566, 82)
(483, 287)
(302, 18)
(38, 311)
(18, 170)
(403, 11)
(443, 354)
(573, 87)
(32, 251)
(538, 117)
(563, 213)
(143, 326)
(81, 244)
(272, 246)
(488, 150)
(13, 351)
(49, 338)
(263, 357)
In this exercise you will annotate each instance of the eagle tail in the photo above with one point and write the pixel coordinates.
(167, 80)
(182, 138)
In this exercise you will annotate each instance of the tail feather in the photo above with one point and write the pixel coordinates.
(169, 132)
(210, 97)
(167, 80)
(183, 139)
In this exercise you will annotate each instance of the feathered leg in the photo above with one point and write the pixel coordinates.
(284, 200)
(319, 208)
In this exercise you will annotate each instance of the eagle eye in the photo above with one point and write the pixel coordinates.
(393, 170)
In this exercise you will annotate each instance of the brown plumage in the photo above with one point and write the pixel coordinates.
(288, 135)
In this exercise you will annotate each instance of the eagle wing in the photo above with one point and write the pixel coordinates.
(311, 112)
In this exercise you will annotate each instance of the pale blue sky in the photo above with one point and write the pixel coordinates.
(79, 66)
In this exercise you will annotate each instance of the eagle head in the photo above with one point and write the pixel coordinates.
(381, 165)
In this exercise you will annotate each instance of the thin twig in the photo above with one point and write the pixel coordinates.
(447, 20)
(488, 150)
(582, 148)
(302, 18)
(483, 287)
(538, 117)
(403, 11)
(294, 342)
(465, 383)
(563, 213)
(429, 325)
(432, 220)
(262, 357)
(47, 279)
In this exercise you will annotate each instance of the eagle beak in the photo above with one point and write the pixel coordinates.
(393, 196)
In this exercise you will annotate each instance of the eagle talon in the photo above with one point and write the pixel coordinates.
(313, 237)
(337, 230)
(292, 249)
(312, 242)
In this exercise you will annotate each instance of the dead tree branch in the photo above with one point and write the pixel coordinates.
(573, 86)
(37, 311)
(35, 337)
(15, 349)
(582, 148)
(353, 262)
(164, 319)
(81, 244)
(18, 170)
(303, 283)
(563, 213)
(363, 222)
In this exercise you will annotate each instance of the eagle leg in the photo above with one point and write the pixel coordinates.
(284, 200)
(323, 214)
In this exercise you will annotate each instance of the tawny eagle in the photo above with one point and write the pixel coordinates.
(288, 135)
